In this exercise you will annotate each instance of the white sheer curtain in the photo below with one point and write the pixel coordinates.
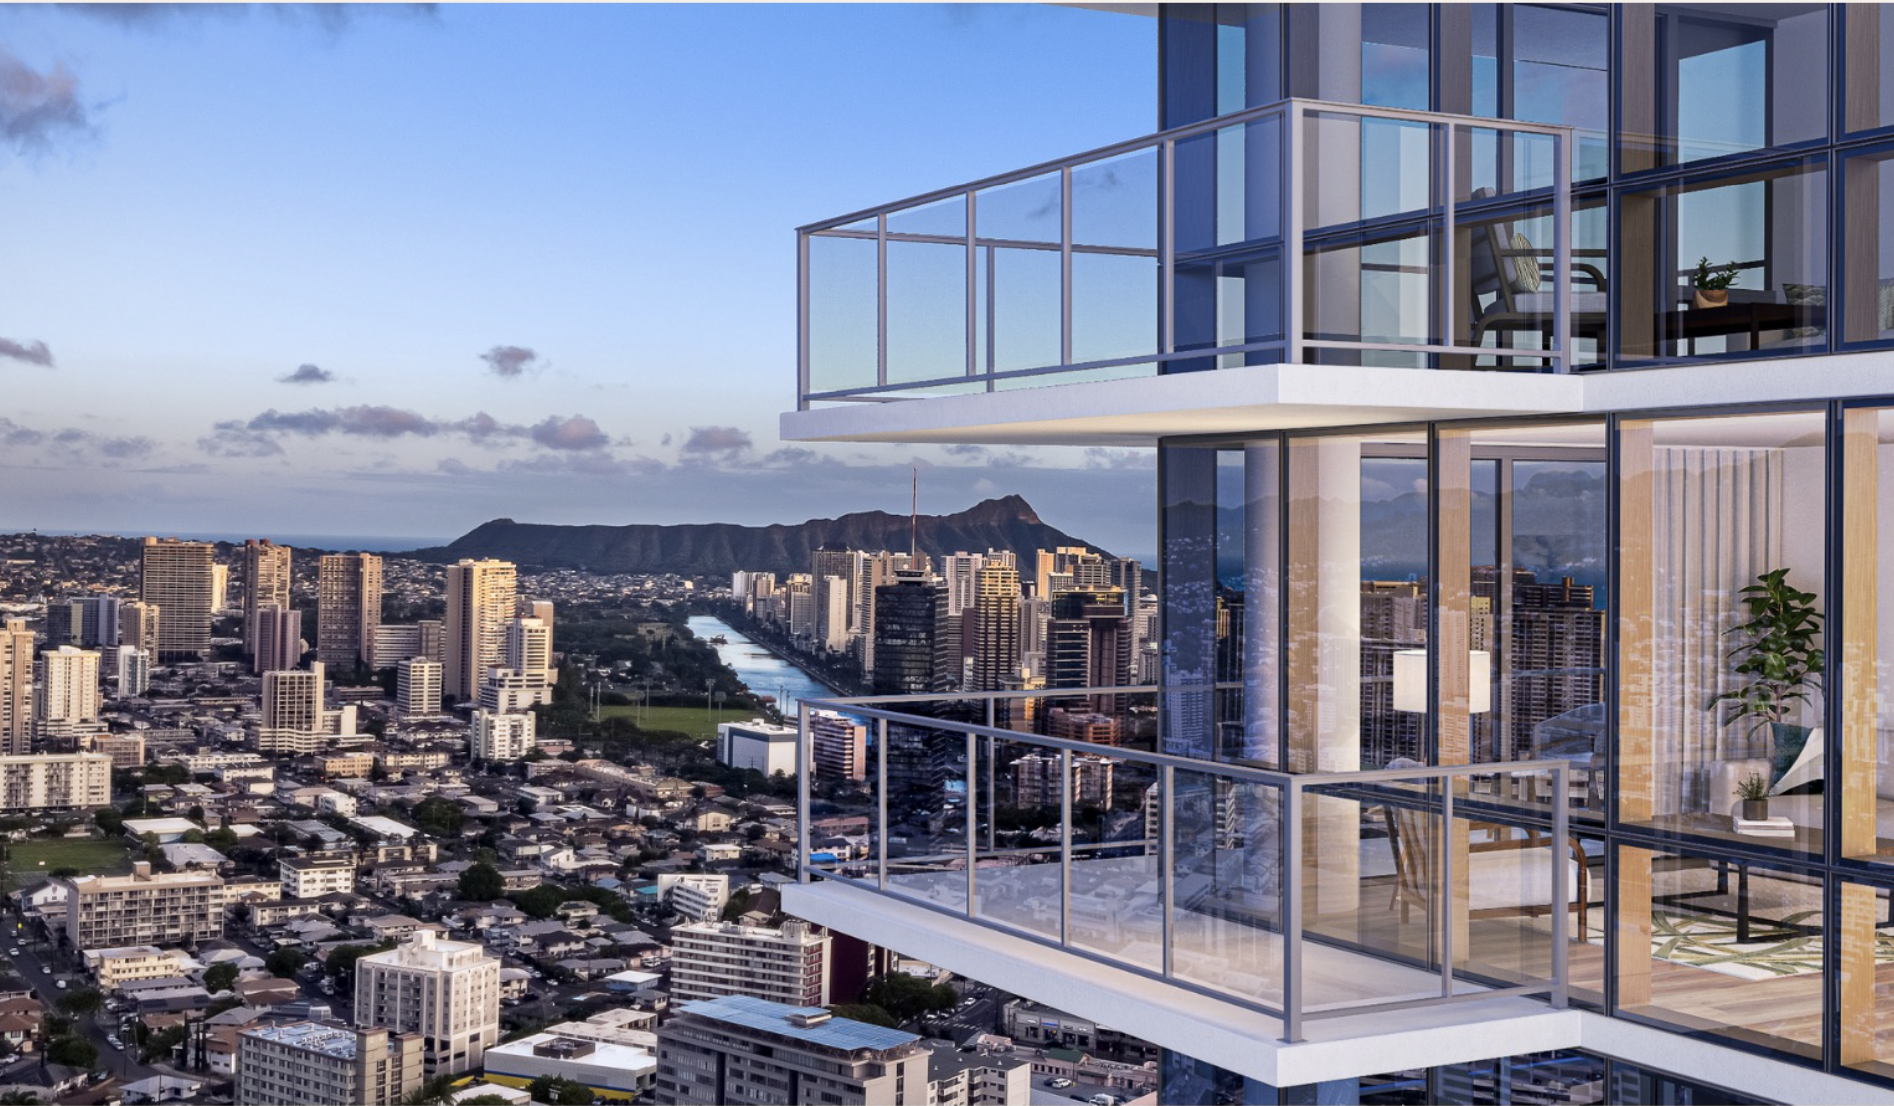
(1719, 525)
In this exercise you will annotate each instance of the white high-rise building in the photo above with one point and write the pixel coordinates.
(134, 671)
(447, 991)
(481, 599)
(418, 687)
(219, 587)
(787, 964)
(66, 697)
(292, 720)
(16, 687)
(527, 654)
(55, 781)
(499, 735)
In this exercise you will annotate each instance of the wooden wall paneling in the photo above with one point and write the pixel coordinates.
(1637, 692)
(1860, 908)
(1860, 596)
(1634, 926)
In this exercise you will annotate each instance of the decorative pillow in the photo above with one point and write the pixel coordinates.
(1804, 295)
(1796, 767)
(1525, 270)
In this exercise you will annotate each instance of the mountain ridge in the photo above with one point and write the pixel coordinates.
(719, 548)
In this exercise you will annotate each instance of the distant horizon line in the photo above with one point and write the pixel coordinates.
(366, 543)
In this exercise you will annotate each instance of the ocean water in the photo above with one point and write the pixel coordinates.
(333, 542)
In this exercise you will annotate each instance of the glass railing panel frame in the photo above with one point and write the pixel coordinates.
(1288, 118)
(1446, 784)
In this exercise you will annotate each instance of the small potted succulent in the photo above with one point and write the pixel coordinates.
(1754, 791)
(1713, 286)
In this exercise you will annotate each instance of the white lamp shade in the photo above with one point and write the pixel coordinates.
(1410, 681)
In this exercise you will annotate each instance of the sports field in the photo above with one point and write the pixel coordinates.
(695, 721)
(30, 861)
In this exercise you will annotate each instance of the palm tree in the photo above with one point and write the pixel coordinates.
(434, 1092)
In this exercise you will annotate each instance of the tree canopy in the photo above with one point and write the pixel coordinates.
(482, 883)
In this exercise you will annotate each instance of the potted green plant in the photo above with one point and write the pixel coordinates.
(1754, 791)
(1713, 286)
(1780, 656)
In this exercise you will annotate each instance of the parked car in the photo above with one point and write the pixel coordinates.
(61, 984)
(14, 951)
(1060, 1083)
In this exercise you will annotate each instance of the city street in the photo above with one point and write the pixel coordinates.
(35, 964)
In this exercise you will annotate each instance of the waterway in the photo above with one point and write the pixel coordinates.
(762, 671)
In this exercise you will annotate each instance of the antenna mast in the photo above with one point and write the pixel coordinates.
(914, 519)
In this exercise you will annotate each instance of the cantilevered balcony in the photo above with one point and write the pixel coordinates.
(1300, 233)
(1300, 897)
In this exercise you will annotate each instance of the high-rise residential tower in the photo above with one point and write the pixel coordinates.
(996, 629)
(277, 638)
(66, 696)
(266, 576)
(348, 608)
(1408, 299)
(138, 625)
(911, 648)
(16, 688)
(175, 576)
(292, 711)
(481, 599)
(447, 991)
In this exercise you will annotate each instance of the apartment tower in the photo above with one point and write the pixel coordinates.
(16, 688)
(66, 696)
(481, 599)
(266, 577)
(276, 638)
(446, 991)
(175, 577)
(348, 608)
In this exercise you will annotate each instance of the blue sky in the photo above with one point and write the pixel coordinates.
(538, 259)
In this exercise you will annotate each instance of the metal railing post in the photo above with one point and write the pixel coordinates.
(973, 804)
(881, 300)
(1446, 908)
(1167, 854)
(1561, 907)
(881, 801)
(973, 282)
(992, 751)
(1449, 247)
(1065, 847)
(1562, 249)
(802, 322)
(1292, 235)
(804, 759)
(1065, 265)
(1289, 881)
(1167, 246)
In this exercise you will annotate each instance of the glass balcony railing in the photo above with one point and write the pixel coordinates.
(1302, 231)
(1302, 896)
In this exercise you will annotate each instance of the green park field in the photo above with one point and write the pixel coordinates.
(695, 721)
(29, 861)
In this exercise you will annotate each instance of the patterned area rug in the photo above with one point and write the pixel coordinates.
(1773, 949)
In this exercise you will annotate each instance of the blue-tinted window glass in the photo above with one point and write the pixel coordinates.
(1394, 55)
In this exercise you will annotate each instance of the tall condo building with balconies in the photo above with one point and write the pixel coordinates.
(482, 597)
(348, 608)
(266, 576)
(291, 720)
(276, 638)
(1427, 310)
(143, 908)
(782, 964)
(447, 991)
(66, 696)
(16, 687)
(175, 577)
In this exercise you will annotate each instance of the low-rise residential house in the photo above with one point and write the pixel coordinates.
(115, 967)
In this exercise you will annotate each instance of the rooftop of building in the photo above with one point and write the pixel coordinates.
(945, 1059)
(603, 1054)
(330, 1040)
(809, 1024)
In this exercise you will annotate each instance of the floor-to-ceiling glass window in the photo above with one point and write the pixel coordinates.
(1729, 265)
(1706, 81)
(1722, 660)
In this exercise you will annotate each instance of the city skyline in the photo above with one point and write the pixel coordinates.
(425, 271)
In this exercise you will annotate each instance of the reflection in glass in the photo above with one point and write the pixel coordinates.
(1766, 230)
(1721, 663)
(1695, 931)
(927, 311)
